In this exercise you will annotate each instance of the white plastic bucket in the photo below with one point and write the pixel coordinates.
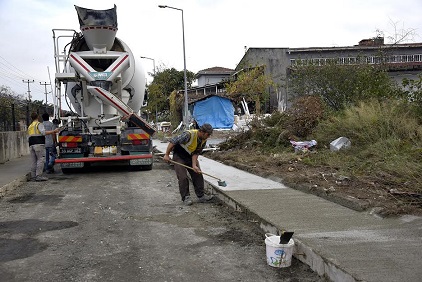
(278, 255)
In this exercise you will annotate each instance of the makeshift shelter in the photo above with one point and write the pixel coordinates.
(215, 110)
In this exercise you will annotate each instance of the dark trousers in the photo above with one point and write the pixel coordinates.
(182, 177)
(50, 158)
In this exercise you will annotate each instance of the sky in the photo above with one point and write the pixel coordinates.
(217, 32)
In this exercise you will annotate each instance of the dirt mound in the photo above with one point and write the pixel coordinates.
(368, 193)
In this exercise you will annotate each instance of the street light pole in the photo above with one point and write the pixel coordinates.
(185, 117)
(156, 114)
(153, 61)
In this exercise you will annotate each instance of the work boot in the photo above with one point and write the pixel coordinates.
(41, 178)
(187, 201)
(50, 169)
(205, 198)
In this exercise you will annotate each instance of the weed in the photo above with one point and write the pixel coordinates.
(386, 143)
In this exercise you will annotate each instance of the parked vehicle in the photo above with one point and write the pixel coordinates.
(105, 85)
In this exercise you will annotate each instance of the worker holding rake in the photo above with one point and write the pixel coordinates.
(186, 148)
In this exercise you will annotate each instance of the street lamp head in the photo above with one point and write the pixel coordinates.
(162, 6)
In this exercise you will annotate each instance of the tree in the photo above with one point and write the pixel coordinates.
(340, 85)
(251, 84)
(9, 100)
(413, 93)
(165, 82)
(399, 34)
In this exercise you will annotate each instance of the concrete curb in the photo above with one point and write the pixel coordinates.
(319, 264)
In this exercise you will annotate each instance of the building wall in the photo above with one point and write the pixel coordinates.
(211, 79)
(398, 76)
(13, 144)
(278, 60)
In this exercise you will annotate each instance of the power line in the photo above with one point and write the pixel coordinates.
(13, 74)
(13, 80)
(17, 71)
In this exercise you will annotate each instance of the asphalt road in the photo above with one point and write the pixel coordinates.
(128, 226)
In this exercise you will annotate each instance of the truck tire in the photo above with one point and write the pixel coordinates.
(147, 167)
(66, 170)
(140, 167)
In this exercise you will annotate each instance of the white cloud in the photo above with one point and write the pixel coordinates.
(216, 31)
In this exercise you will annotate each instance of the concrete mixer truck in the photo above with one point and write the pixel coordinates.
(104, 83)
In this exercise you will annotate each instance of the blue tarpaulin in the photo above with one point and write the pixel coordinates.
(215, 110)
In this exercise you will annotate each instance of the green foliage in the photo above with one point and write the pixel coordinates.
(371, 122)
(341, 85)
(175, 108)
(304, 116)
(165, 82)
(9, 99)
(274, 132)
(386, 138)
(386, 141)
(413, 94)
(251, 84)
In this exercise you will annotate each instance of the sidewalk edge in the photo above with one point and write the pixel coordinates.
(323, 266)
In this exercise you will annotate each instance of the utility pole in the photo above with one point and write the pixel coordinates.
(29, 90)
(45, 86)
(29, 100)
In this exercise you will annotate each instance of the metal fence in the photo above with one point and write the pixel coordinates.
(15, 117)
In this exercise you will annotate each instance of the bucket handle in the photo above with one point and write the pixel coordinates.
(269, 235)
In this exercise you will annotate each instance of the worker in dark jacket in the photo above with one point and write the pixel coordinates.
(186, 148)
(50, 144)
(36, 139)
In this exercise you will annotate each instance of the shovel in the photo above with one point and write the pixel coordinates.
(220, 182)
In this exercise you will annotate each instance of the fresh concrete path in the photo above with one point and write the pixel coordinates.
(335, 241)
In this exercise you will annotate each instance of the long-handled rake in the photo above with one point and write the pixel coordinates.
(220, 182)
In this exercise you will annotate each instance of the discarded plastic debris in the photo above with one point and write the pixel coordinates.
(303, 146)
(340, 143)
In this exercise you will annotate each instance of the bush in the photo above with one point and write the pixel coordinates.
(372, 122)
(304, 116)
(386, 140)
(274, 132)
(339, 85)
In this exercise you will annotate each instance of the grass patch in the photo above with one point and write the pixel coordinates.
(386, 140)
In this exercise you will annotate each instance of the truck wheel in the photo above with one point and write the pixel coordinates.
(140, 167)
(147, 167)
(66, 170)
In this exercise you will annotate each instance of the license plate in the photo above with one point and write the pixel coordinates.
(140, 162)
(70, 150)
(72, 165)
